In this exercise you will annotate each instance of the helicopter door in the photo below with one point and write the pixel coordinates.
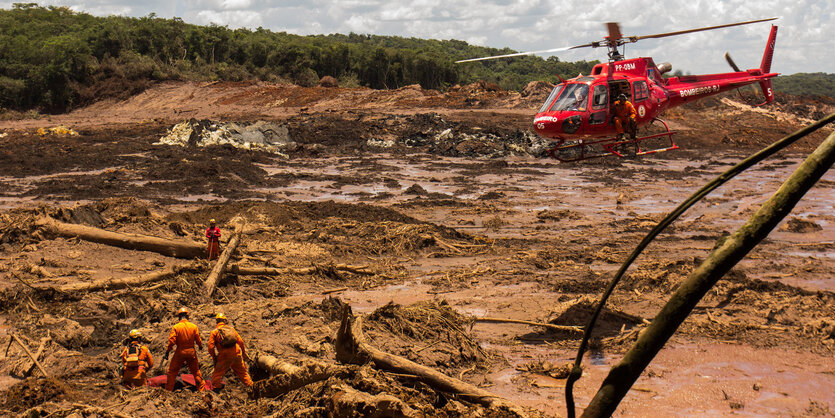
(599, 109)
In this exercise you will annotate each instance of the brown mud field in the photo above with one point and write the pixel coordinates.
(421, 211)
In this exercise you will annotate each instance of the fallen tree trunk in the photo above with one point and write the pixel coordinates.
(168, 247)
(569, 328)
(287, 377)
(220, 267)
(351, 347)
(112, 283)
(273, 271)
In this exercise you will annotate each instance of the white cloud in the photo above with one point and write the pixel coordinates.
(232, 18)
(527, 25)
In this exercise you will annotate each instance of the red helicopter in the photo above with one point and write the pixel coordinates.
(580, 122)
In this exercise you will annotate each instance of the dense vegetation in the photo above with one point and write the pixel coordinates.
(52, 58)
(817, 84)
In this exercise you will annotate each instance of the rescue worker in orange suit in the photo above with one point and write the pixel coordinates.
(624, 117)
(231, 353)
(136, 359)
(184, 335)
(213, 234)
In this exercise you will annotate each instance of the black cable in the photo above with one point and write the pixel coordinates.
(576, 371)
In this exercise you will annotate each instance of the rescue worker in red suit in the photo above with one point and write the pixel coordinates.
(184, 335)
(227, 357)
(213, 234)
(624, 117)
(136, 360)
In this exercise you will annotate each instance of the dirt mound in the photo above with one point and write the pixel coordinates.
(32, 392)
(801, 226)
(328, 81)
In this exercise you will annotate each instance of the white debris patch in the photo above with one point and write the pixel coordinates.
(260, 135)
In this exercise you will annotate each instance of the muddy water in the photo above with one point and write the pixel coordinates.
(527, 186)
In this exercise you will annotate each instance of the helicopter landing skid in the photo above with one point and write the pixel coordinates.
(604, 147)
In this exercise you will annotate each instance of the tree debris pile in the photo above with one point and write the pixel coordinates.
(429, 333)
(364, 391)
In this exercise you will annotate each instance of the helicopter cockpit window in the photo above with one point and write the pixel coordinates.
(551, 97)
(640, 91)
(601, 97)
(573, 97)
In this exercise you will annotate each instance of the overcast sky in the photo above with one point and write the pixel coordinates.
(805, 26)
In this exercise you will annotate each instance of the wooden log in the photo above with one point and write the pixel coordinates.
(287, 377)
(29, 353)
(569, 328)
(351, 347)
(112, 283)
(276, 271)
(168, 247)
(220, 267)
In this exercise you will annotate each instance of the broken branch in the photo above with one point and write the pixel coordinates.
(29, 353)
(569, 328)
(220, 267)
(112, 283)
(272, 271)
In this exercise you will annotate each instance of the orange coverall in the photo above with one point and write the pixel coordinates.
(184, 335)
(226, 358)
(625, 117)
(135, 376)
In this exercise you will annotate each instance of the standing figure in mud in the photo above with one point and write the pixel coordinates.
(136, 359)
(231, 353)
(213, 234)
(624, 117)
(184, 335)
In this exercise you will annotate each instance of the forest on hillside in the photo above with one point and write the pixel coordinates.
(53, 59)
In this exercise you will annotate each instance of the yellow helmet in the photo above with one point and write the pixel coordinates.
(220, 317)
(135, 334)
(211, 221)
(182, 311)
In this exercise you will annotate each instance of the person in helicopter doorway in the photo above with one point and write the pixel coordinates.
(624, 117)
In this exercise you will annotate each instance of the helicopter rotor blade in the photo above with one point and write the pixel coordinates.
(519, 54)
(731, 62)
(736, 68)
(614, 31)
(682, 32)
